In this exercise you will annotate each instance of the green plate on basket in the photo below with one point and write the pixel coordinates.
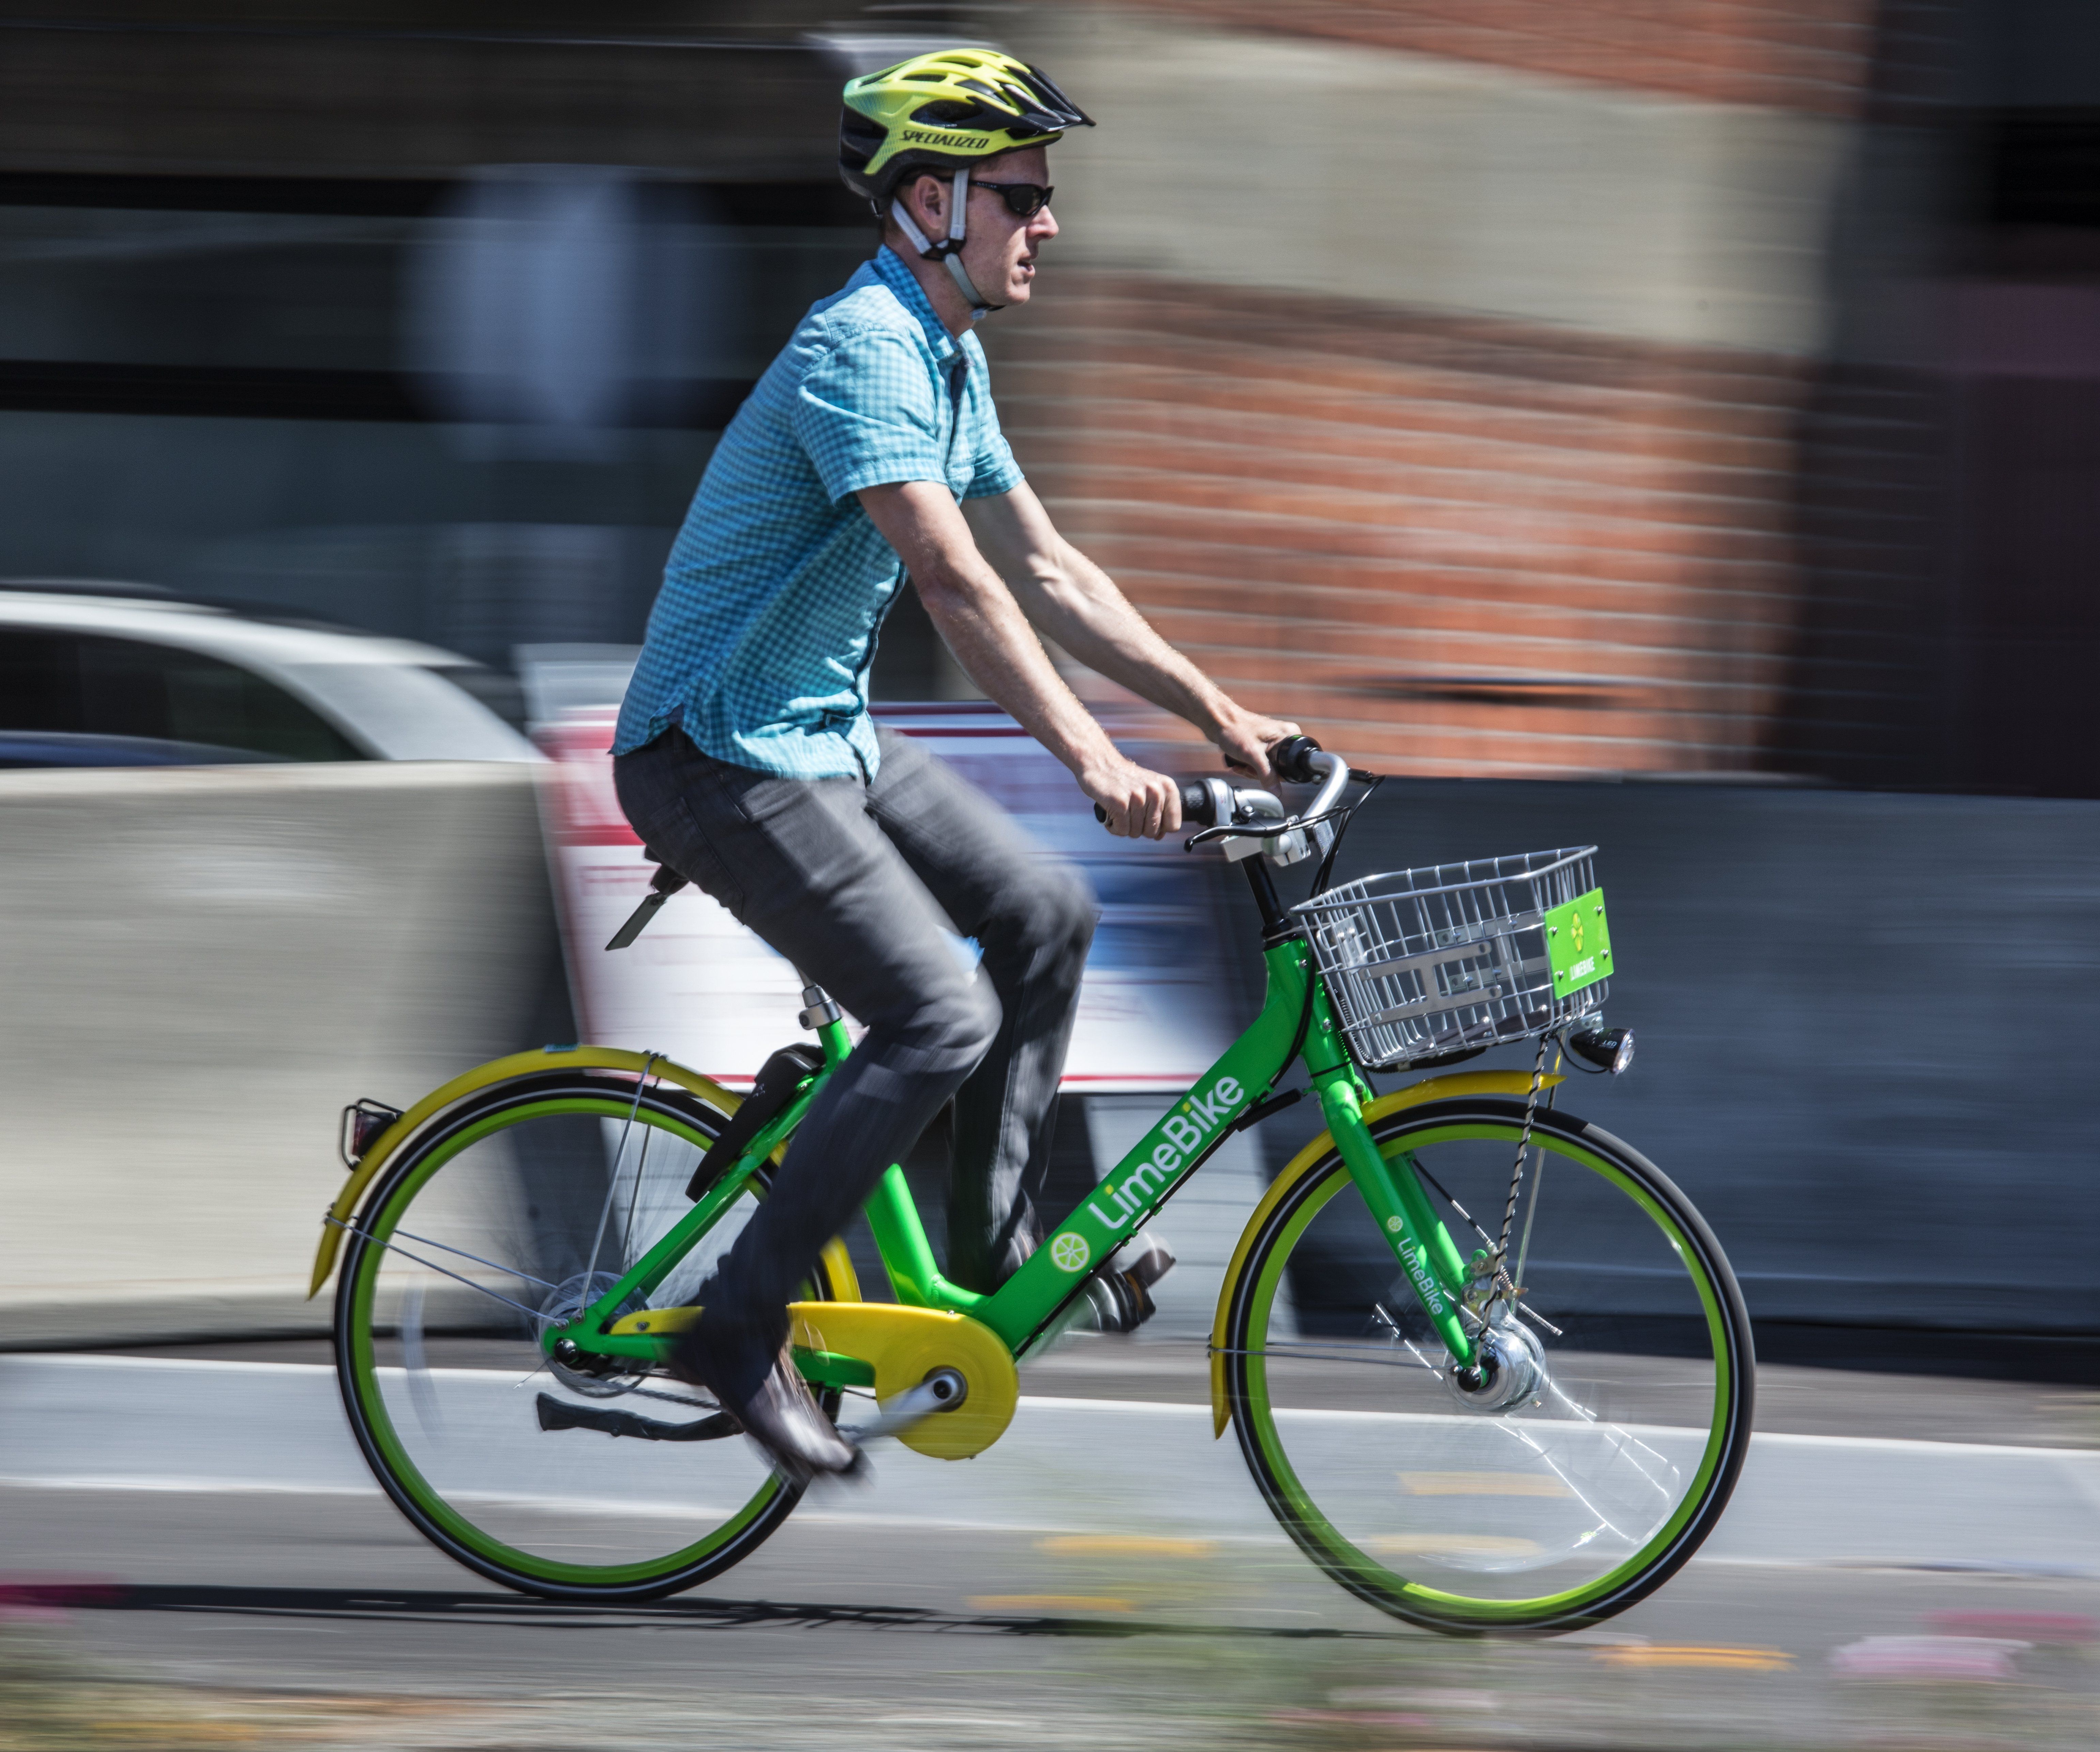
(1578, 942)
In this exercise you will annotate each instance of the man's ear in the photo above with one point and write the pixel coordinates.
(926, 199)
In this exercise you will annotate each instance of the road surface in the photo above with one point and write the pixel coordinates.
(191, 1541)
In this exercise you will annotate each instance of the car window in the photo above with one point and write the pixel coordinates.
(88, 683)
(500, 693)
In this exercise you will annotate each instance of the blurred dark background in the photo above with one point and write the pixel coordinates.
(425, 323)
(275, 331)
(1578, 391)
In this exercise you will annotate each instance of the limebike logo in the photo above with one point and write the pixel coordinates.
(1425, 1286)
(1411, 1257)
(1070, 1252)
(1183, 1134)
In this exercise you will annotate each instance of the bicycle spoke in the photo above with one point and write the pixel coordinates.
(634, 1201)
(493, 1264)
(416, 1362)
(431, 1265)
(618, 1157)
(1336, 1355)
(553, 1177)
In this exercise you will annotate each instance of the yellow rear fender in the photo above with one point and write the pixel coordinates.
(1435, 1088)
(472, 1082)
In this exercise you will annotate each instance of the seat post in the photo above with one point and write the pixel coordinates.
(818, 1009)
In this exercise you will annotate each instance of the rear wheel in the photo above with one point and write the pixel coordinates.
(1626, 1383)
(506, 1214)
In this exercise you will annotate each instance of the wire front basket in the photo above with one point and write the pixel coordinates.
(1421, 962)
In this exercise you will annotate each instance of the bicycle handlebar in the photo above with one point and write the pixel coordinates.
(1292, 760)
(1296, 760)
(1336, 780)
(1195, 803)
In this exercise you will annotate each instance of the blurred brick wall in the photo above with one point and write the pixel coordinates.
(1459, 545)
(1806, 54)
(1475, 544)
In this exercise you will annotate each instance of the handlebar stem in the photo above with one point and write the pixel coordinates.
(1276, 923)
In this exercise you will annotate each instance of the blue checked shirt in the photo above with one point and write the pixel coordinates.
(760, 643)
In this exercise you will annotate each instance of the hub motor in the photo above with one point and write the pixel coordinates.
(1510, 1370)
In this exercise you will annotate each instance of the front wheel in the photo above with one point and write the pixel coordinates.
(507, 1214)
(1574, 1498)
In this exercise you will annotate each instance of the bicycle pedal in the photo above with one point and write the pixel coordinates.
(562, 1414)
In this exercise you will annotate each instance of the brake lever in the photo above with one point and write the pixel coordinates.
(1274, 830)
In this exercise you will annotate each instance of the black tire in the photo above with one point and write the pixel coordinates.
(1468, 1576)
(467, 1524)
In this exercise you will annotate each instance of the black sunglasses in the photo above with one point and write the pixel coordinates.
(1023, 200)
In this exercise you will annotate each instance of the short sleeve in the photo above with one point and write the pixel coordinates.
(996, 472)
(866, 414)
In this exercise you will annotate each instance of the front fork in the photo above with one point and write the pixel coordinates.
(1394, 1196)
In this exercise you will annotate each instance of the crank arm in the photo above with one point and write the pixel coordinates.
(943, 1390)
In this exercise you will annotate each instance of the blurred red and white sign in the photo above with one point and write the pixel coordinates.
(699, 988)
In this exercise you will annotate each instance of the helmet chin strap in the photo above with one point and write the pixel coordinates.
(950, 249)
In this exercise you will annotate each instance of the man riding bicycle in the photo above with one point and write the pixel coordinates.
(747, 761)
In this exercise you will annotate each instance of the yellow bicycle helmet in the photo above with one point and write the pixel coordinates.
(945, 112)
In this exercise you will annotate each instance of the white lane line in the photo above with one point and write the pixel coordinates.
(57, 1363)
(1181, 1407)
(204, 1486)
(95, 1359)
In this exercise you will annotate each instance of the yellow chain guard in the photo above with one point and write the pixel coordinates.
(903, 1346)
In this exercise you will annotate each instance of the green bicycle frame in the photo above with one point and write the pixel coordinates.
(1296, 1021)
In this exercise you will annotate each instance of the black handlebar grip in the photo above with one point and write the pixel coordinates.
(1195, 807)
(1290, 760)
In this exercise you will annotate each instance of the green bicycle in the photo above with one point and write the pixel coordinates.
(1487, 1366)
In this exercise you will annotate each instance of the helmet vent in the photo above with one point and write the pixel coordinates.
(948, 112)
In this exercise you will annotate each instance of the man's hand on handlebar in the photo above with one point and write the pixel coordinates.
(1246, 740)
(1136, 803)
(1141, 813)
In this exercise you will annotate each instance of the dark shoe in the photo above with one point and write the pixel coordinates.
(779, 1412)
(1121, 1296)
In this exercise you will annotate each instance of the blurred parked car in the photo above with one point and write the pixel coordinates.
(109, 675)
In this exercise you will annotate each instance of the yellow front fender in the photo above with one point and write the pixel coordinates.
(471, 1082)
(1435, 1088)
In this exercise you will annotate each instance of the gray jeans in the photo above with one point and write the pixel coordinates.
(857, 884)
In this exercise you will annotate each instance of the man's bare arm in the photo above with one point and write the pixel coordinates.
(1074, 601)
(974, 610)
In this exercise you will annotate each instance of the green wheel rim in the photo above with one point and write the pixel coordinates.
(1658, 1557)
(397, 1471)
